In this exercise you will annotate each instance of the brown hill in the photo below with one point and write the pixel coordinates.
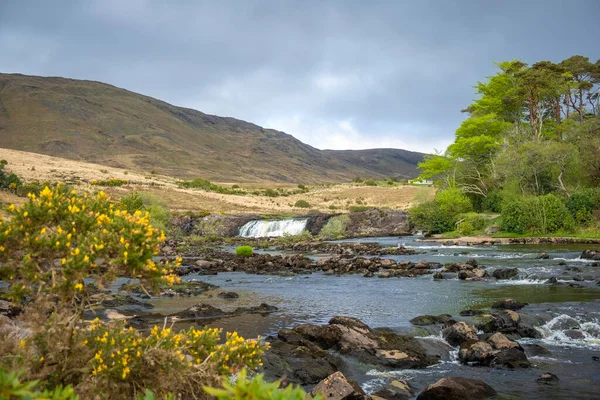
(100, 123)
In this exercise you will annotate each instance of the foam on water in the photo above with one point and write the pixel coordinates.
(273, 228)
(556, 332)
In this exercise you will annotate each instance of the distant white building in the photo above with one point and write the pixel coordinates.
(423, 182)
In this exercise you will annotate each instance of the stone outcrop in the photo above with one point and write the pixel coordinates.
(378, 222)
(337, 387)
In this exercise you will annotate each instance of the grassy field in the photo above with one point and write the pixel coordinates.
(32, 167)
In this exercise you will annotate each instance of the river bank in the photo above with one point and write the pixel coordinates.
(489, 240)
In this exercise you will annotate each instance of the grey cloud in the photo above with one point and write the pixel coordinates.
(381, 72)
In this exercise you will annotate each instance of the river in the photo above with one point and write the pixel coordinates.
(317, 297)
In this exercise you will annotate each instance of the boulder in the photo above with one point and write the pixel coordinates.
(305, 364)
(338, 387)
(508, 304)
(500, 341)
(228, 295)
(459, 333)
(395, 390)
(424, 320)
(536, 350)
(591, 254)
(505, 273)
(480, 353)
(547, 378)
(510, 358)
(457, 388)
(543, 256)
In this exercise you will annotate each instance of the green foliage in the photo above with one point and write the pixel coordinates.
(302, 204)
(493, 201)
(357, 179)
(159, 213)
(465, 228)
(51, 243)
(583, 204)
(8, 180)
(257, 389)
(244, 251)
(531, 214)
(112, 182)
(370, 182)
(12, 388)
(441, 214)
(477, 221)
(335, 228)
(302, 187)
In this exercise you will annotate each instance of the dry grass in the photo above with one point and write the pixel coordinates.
(36, 167)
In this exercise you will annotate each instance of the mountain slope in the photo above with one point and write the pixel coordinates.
(100, 123)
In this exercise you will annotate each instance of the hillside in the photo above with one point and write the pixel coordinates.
(99, 123)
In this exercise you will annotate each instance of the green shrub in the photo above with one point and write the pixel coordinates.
(112, 182)
(465, 228)
(332, 207)
(132, 202)
(244, 251)
(542, 214)
(358, 179)
(370, 182)
(477, 221)
(335, 228)
(302, 187)
(441, 214)
(257, 389)
(493, 201)
(302, 204)
(8, 180)
(582, 205)
(12, 388)
(271, 193)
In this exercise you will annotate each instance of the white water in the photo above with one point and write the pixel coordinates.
(273, 228)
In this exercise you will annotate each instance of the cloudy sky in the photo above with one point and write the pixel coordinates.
(335, 74)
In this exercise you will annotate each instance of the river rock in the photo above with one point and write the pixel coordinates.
(457, 388)
(508, 304)
(351, 337)
(536, 350)
(305, 364)
(591, 254)
(505, 273)
(228, 295)
(510, 358)
(574, 334)
(500, 341)
(543, 256)
(338, 387)
(459, 333)
(547, 378)
(395, 390)
(480, 353)
(424, 320)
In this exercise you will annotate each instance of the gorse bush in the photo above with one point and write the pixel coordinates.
(51, 247)
(244, 251)
(59, 238)
(159, 213)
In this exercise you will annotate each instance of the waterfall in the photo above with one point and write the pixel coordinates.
(271, 228)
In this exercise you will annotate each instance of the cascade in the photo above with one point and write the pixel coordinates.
(273, 228)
